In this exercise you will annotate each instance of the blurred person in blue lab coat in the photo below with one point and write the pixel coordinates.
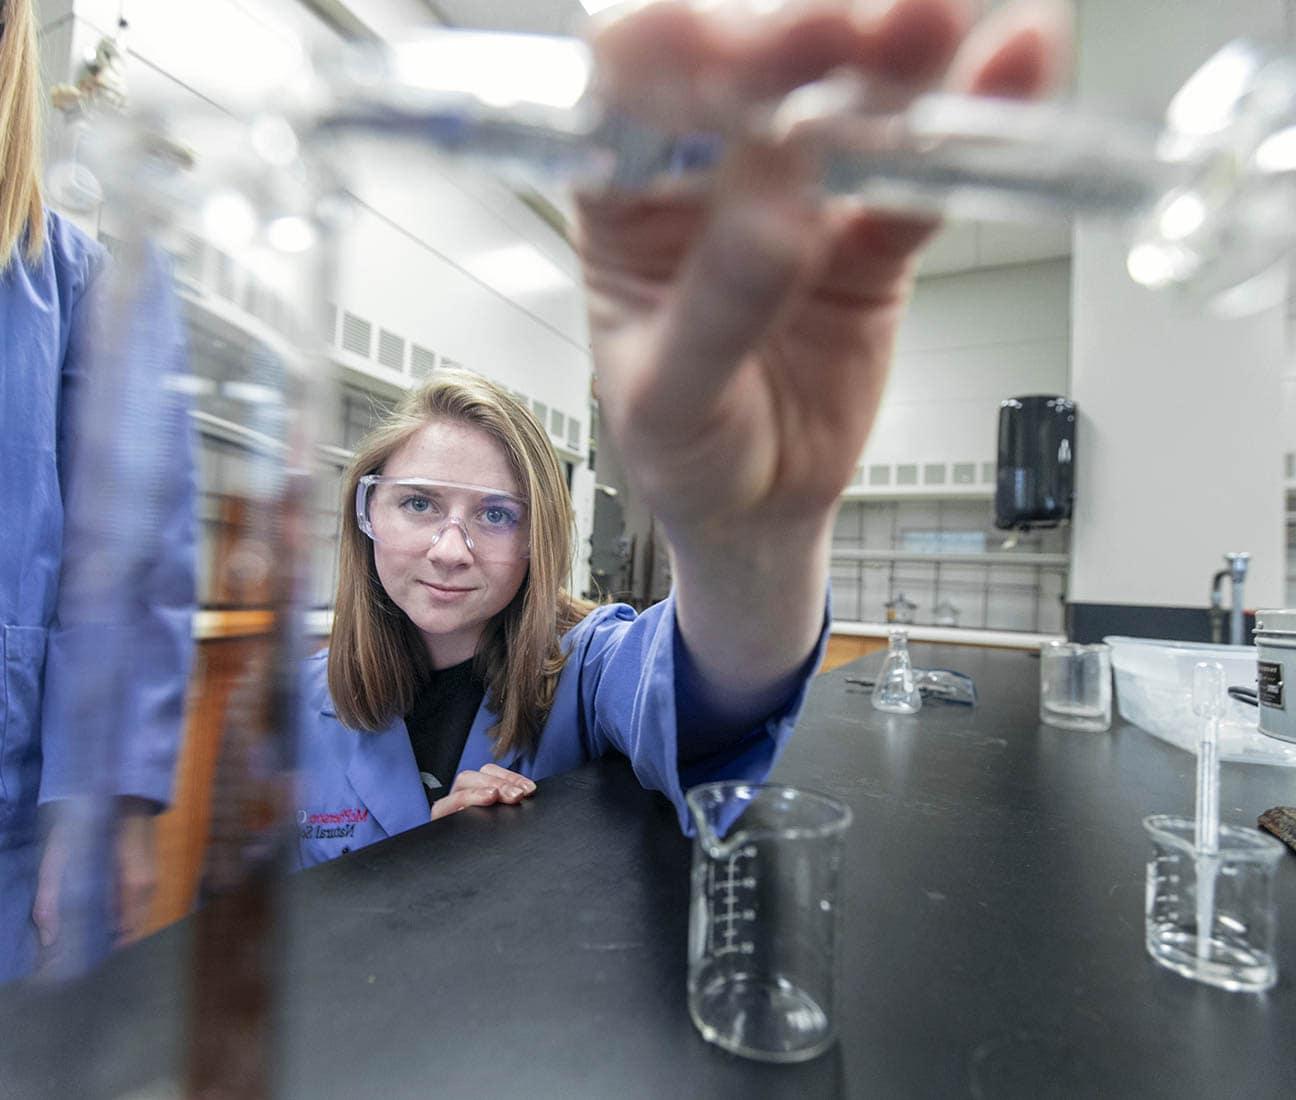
(96, 643)
(741, 345)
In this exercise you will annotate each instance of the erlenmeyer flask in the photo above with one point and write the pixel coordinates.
(896, 690)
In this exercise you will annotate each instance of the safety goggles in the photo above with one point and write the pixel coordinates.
(414, 514)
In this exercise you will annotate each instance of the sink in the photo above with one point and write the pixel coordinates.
(1154, 692)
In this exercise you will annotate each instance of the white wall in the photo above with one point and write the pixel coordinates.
(968, 342)
(454, 263)
(1180, 440)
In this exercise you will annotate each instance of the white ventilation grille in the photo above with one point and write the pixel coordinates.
(965, 473)
(357, 334)
(907, 474)
(879, 475)
(391, 350)
(422, 361)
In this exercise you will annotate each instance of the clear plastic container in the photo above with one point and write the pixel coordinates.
(1154, 692)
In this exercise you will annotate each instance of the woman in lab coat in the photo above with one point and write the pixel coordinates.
(460, 670)
(741, 346)
(50, 755)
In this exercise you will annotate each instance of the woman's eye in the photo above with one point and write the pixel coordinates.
(417, 505)
(499, 516)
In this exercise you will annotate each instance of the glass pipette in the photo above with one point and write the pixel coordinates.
(1208, 687)
(1207, 199)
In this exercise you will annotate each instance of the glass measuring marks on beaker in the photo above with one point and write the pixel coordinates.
(763, 922)
(1209, 911)
(1236, 952)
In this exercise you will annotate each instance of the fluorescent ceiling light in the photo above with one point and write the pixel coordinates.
(502, 70)
(518, 269)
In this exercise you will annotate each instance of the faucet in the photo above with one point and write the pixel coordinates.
(1236, 573)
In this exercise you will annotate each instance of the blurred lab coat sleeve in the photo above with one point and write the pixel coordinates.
(130, 613)
(636, 700)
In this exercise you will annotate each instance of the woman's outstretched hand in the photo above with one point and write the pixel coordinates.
(742, 341)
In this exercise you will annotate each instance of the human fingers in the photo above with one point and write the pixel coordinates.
(510, 786)
(136, 876)
(509, 779)
(756, 245)
(461, 798)
(49, 886)
(1020, 51)
(678, 68)
(483, 788)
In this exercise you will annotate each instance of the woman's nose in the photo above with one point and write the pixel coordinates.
(451, 544)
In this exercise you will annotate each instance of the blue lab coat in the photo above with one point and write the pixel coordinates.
(47, 752)
(617, 692)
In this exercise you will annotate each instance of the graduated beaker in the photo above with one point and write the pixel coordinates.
(763, 920)
(1212, 917)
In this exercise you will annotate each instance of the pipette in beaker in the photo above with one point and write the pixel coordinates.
(1211, 194)
(1208, 688)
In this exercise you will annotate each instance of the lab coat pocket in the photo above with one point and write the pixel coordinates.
(22, 652)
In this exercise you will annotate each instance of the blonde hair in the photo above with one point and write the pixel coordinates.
(376, 659)
(21, 211)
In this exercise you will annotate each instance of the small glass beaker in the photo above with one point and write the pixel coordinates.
(763, 922)
(1229, 893)
(1075, 686)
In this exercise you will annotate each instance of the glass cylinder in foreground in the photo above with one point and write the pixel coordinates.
(763, 923)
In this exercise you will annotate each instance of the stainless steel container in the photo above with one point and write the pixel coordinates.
(1275, 637)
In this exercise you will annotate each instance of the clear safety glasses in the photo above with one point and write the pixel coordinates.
(413, 513)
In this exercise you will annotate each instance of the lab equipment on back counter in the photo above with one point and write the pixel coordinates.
(1235, 572)
(1075, 686)
(1275, 636)
(900, 609)
(896, 690)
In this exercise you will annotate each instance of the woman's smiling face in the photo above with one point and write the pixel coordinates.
(449, 593)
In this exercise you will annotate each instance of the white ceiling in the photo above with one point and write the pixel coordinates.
(966, 246)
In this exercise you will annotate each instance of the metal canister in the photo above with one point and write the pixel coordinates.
(1275, 637)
